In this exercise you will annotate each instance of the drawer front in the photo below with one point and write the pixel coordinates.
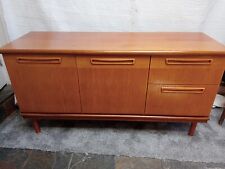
(180, 100)
(44, 83)
(113, 84)
(186, 70)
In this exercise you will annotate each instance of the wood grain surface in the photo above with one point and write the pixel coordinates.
(115, 43)
(163, 76)
(180, 100)
(124, 117)
(45, 83)
(186, 69)
(113, 87)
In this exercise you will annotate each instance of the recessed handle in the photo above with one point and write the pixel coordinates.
(182, 89)
(186, 61)
(39, 60)
(112, 61)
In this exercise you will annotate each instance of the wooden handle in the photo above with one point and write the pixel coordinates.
(112, 61)
(39, 60)
(183, 61)
(196, 90)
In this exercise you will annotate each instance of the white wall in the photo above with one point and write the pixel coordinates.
(4, 78)
(114, 15)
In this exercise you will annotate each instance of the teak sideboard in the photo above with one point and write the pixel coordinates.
(163, 77)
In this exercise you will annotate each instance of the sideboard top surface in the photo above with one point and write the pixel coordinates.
(115, 43)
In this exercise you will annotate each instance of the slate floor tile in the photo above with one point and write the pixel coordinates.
(215, 165)
(13, 158)
(7, 165)
(137, 163)
(40, 160)
(35, 159)
(173, 164)
(91, 161)
(62, 160)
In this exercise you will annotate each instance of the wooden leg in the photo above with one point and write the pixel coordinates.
(222, 117)
(36, 126)
(192, 128)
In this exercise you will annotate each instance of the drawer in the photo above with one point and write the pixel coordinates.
(180, 100)
(186, 70)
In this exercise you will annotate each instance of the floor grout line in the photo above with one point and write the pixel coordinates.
(53, 164)
(71, 158)
(25, 162)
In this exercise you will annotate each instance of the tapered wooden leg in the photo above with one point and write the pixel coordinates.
(222, 117)
(192, 128)
(36, 126)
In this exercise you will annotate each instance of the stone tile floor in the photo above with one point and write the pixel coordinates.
(35, 159)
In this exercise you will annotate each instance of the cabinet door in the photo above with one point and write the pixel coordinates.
(113, 85)
(45, 83)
